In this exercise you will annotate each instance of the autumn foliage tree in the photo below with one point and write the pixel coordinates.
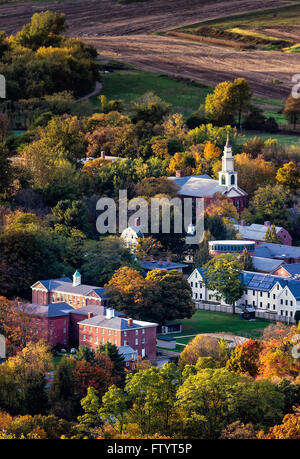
(244, 358)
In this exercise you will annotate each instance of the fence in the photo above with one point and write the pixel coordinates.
(258, 314)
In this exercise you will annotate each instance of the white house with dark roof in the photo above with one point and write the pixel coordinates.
(203, 186)
(266, 293)
(131, 235)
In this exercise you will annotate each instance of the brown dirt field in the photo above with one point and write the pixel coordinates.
(106, 17)
(121, 31)
(284, 32)
(205, 63)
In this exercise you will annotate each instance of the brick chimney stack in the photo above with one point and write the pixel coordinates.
(90, 315)
(129, 322)
(179, 174)
(102, 154)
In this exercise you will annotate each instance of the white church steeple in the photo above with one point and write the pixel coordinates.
(228, 176)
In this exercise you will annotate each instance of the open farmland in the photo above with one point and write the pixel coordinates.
(125, 32)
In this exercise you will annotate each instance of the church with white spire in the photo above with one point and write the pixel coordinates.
(203, 186)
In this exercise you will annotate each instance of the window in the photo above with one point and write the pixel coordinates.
(83, 337)
(136, 332)
(143, 331)
(96, 340)
(90, 329)
(125, 333)
(109, 332)
(192, 284)
(125, 342)
(136, 341)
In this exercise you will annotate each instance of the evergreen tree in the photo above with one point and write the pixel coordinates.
(111, 351)
(247, 262)
(271, 235)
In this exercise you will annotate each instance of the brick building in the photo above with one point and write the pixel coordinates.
(84, 318)
(64, 290)
(139, 335)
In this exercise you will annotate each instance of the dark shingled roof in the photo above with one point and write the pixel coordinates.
(96, 310)
(49, 310)
(116, 323)
(65, 285)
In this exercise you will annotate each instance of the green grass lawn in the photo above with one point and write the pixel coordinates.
(218, 322)
(283, 139)
(128, 85)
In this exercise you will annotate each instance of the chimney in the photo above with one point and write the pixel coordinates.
(243, 223)
(90, 315)
(76, 279)
(129, 322)
(267, 223)
(110, 313)
(179, 174)
(168, 261)
(102, 154)
(137, 221)
(160, 262)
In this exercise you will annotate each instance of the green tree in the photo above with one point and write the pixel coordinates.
(271, 235)
(288, 176)
(111, 351)
(44, 29)
(246, 261)
(172, 298)
(72, 214)
(149, 107)
(242, 96)
(6, 171)
(292, 110)
(91, 417)
(269, 203)
(244, 358)
(63, 399)
(114, 407)
(223, 274)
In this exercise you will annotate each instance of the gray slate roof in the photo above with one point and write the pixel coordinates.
(116, 323)
(65, 285)
(127, 352)
(96, 310)
(49, 310)
(149, 265)
(268, 265)
(268, 250)
(201, 186)
(293, 269)
(255, 232)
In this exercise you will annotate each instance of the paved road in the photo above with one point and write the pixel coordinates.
(96, 91)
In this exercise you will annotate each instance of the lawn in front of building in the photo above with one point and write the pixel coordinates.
(220, 322)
